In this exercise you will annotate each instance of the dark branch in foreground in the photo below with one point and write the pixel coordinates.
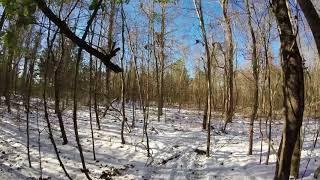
(105, 58)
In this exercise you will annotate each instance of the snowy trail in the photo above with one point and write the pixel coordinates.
(173, 144)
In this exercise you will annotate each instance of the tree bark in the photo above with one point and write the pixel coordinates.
(255, 76)
(161, 39)
(205, 115)
(29, 88)
(313, 19)
(229, 61)
(57, 93)
(8, 81)
(198, 6)
(44, 95)
(123, 92)
(90, 98)
(293, 89)
(90, 109)
(268, 69)
(75, 123)
(110, 42)
(295, 162)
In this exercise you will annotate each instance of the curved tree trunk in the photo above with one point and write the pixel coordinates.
(313, 19)
(293, 89)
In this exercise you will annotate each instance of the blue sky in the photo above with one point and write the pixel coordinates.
(183, 27)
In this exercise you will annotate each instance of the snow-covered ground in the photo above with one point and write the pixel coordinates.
(173, 142)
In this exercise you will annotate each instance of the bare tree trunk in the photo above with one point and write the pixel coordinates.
(268, 68)
(161, 39)
(110, 43)
(229, 60)
(29, 88)
(75, 123)
(133, 80)
(24, 83)
(96, 88)
(57, 88)
(90, 100)
(50, 130)
(142, 100)
(15, 75)
(295, 162)
(75, 89)
(313, 19)
(90, 109)
(261, 141)
(146, 102)
(198, 7)
(98, 82)
(293, 90)
(44, 95)
(255, 73)
(205, 115)
(28, 110)
(123, 93)
(8, 82)
(39, 140)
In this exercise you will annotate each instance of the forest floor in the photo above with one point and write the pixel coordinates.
(175, 142)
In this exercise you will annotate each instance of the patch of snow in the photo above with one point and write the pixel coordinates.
(173, 142)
